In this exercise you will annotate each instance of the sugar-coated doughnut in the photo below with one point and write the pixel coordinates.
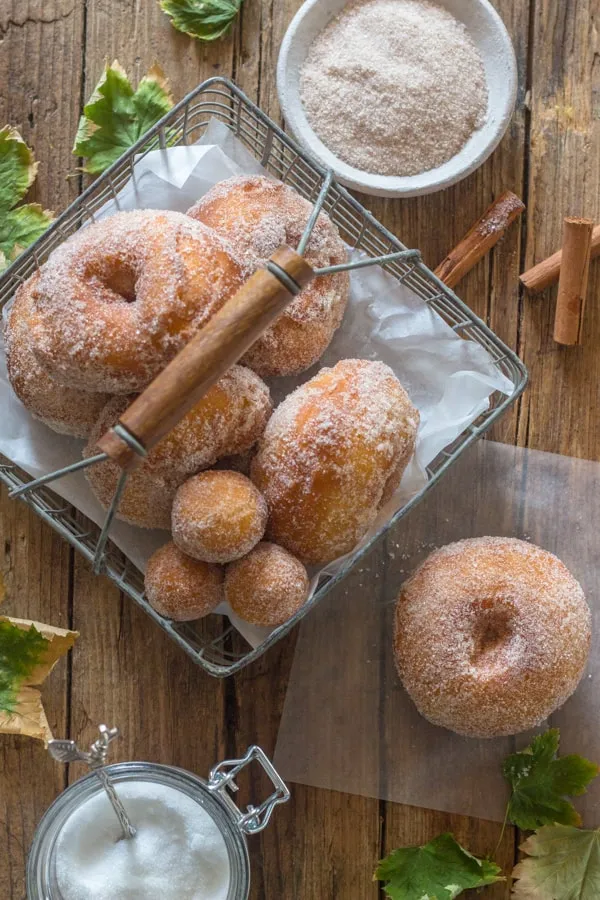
(491, 636)
(66, 410)
(117, 300)
(229, 419)
(218, 516)
(327, 455)
(266, 587)
(181, 588)
(258, 215)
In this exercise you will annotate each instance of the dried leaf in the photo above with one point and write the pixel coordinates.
(563, 864)
(28, 652)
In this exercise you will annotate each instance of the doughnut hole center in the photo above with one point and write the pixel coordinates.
(492, 632)
(119, 279)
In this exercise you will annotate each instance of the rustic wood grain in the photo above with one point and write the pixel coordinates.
(40, 66)
(559, 412)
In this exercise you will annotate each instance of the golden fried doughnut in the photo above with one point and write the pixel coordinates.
(181, 588)
(327, 455)
(257, 216)
(66, 410)
(492, 635)
(229, 419)
(116, 301)
(218, 516)
(266, 587)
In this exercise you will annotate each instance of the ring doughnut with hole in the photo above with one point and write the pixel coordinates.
(492, 635)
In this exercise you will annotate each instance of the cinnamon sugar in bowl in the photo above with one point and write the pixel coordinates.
(398, 97)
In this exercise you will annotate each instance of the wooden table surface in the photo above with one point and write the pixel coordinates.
(124, 669)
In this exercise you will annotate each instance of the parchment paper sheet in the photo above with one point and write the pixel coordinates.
(348, 724)
(449, 379)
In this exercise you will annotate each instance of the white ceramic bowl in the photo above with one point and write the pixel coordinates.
(491, 38)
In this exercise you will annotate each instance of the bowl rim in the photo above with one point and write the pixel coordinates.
(393, 185)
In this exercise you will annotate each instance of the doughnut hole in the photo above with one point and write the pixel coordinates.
(181, 588)
(218, 516)
(121, 280)
(492, 632)
(266, 587)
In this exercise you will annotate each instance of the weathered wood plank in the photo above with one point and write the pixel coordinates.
(560, 410)
(40, 70)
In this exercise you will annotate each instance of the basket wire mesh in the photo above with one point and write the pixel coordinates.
(208, 642)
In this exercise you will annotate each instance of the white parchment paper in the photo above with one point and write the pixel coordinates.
(448, 379)
(348, 725)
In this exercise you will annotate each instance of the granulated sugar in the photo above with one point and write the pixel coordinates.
(394, 87)
(178, 852)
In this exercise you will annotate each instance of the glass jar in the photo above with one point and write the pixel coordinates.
(213, 795)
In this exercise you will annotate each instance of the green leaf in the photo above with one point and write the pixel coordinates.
(206, 20)
(19, 228)
(22, 225)
(540, 783)
(17, 168)
(440, 870)
(563, 864)
(20, 652)
(116, 116)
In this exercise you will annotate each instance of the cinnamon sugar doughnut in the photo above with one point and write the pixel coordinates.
(181, 588)
(118, 299)
(328, 454)
(229, 419)
(257, 216)
(218, 516)
(65, 410)
(266, 587)
(492, 635)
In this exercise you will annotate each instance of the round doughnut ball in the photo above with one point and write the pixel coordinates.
(65, 410)
(181, 588)
(328, 455)
(491, 636)
(257, 216)
(266, 587)
(218, 516)
(116, 301)
(229, 419)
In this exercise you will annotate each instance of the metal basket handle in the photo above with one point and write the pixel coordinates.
(209, 354)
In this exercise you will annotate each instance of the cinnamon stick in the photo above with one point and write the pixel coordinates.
(480, 239)
(572, 285)
(547, 272)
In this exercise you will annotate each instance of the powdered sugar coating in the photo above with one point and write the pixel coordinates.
(266, 587)
(65, 410)
(327, 455)
(492, 635)
(257, 216)
(116, 301)
(218, 516)
(181, 588)
(229, 419)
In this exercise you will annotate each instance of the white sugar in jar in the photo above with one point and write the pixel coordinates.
(178, 852)
(190, 842)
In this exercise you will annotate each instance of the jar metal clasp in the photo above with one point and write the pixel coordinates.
(222, 779)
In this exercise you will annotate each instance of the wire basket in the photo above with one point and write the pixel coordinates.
(208, 641)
